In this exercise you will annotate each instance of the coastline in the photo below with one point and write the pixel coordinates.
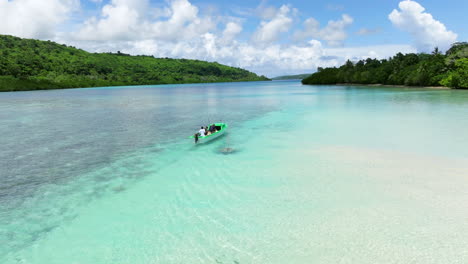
(2, 90)
(391, 85)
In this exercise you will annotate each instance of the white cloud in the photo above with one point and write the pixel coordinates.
(121, 19)
(427, 32)
(311, 30)
(184, 23)
(266, 12)
(32, 18)
(334, 32)
(231, 31)
(129, 19)
(269, 31)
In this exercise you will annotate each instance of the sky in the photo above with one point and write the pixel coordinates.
(268, 37)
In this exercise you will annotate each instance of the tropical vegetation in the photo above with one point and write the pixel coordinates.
(435, 69)
(27, 64)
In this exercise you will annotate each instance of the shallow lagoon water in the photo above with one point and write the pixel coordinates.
(322, 174)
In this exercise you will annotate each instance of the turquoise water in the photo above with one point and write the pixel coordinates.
(319, 174)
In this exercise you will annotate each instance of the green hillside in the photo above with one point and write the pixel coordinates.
(28, 64)
(292, 77)
(435, 69)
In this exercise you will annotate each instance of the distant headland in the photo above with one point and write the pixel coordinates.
(29, 64)
(292, 77)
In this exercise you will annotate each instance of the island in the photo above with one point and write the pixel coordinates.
(292, 77)
(422, 69)
(28, 64)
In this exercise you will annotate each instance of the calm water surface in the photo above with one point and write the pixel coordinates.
(319, 174)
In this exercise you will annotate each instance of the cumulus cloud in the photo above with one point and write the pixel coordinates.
(270, 30)
(129, 19)
(121, 19)
(266, 12)
(334, 32)
(184, 22)
(33, 19)
(426, 31)
(231, 31)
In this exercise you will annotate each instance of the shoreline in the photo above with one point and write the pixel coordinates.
(123, 85)
(392, 85)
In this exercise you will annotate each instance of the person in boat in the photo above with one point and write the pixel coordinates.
(207, 131)
(213, 129)
(202, 132)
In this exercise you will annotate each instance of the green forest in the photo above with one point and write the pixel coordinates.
(27, 64)
(435, 69)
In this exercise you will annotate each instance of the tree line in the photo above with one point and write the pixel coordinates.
(422, 69)
(27, 64)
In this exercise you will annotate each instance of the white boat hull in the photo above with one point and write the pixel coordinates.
(211, 137)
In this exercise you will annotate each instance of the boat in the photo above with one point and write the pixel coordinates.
(221, 129)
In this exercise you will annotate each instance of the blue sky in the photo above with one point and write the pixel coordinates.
(370, 14)
(268, 37)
